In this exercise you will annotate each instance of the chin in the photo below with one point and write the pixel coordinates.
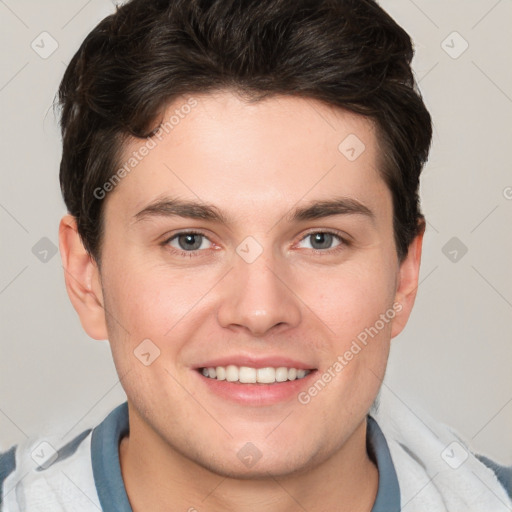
(260, 471)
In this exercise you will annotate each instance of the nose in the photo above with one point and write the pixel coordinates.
(259, 297)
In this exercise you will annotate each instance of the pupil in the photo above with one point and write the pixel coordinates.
(324, 240)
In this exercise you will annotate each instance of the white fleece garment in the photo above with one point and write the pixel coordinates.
(435, 467)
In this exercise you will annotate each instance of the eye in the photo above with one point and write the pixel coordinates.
(188, 241)
(322, 240)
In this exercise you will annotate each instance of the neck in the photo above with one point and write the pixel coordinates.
(157, 477)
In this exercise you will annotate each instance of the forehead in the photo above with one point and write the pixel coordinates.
(252, 156)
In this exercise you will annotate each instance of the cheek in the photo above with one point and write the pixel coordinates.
(150, 301)
(146, 308)
(357, 305)
(350, 298)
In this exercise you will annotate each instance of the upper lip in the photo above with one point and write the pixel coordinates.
(255, 362)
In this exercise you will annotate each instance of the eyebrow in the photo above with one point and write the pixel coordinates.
(174, 207)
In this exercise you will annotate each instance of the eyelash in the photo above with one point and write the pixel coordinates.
(323, 252)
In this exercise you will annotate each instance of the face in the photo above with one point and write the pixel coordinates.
(256, 236)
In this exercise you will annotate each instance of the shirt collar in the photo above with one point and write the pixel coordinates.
(388, 492)
(112, 492)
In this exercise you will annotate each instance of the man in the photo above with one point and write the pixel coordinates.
(244, 228)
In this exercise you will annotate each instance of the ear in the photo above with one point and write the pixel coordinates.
(82, 277)
(407, 286)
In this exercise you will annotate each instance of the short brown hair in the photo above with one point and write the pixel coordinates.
(347, 53)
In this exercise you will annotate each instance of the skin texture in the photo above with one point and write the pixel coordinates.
(256, 163)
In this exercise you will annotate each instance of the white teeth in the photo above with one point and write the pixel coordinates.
(221, 373)
(231, 373)
(248, 375)
(266, 375)
(281, 374)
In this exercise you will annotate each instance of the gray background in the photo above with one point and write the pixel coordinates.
(454, 358)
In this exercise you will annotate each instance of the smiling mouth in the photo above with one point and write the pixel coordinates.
(248, 375)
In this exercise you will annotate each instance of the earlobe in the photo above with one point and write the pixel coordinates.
(407, 286)
(82, 278)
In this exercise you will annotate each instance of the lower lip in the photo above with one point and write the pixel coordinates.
(257, 394)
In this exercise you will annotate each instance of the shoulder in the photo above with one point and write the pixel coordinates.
(44, 470)
(503, 473)
(422, 447)
(7, 467)
(83, 474)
